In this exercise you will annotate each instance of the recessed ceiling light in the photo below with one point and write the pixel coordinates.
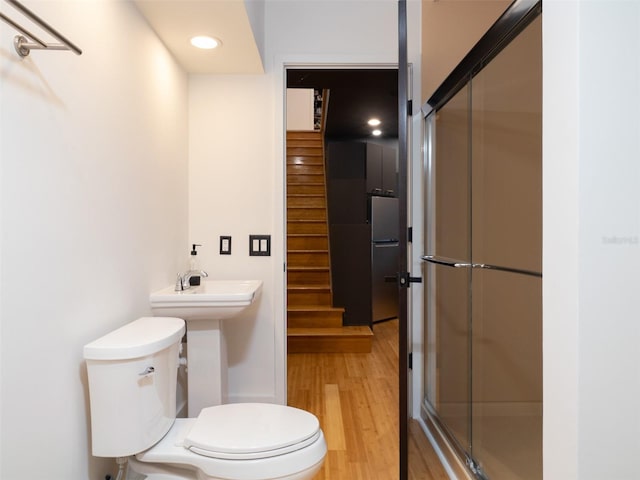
(204, 42)
(376, 133)
(374, 122)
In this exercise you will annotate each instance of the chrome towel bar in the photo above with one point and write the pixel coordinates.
(28, 41)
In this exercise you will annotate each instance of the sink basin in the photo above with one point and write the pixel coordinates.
(212, 300)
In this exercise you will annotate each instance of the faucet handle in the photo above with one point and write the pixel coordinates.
(179, 287)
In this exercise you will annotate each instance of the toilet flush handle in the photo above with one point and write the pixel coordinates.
(147, 371)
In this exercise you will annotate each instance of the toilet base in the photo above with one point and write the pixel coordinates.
(168, 472)
(169, 460)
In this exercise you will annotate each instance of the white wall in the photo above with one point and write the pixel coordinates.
(609, 377)
(300, 109)
(231, 191)
(591, 239)
(94, 217)
(236, 166)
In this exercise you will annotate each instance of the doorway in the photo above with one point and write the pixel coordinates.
(352, 96)
(357, 154)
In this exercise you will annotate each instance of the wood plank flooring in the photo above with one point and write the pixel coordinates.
(355, 396)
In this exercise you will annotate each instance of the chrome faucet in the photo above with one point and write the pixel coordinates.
(183, 281)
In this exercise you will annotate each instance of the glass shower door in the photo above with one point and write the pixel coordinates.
(506, 151)
(483, 265)
(449, 305)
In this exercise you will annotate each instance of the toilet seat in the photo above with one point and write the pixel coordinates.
(171, 453)
(246, 431)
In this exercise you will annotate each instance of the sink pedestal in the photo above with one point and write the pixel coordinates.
(204, 308)
(206, 365)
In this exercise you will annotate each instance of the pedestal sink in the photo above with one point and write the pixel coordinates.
(205, 308)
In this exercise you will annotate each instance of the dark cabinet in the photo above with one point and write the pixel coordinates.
(389, 171)
(381, 170)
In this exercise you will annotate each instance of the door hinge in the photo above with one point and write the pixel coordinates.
(410, 234)
(410, 360)
(409, 107)
(405, 279)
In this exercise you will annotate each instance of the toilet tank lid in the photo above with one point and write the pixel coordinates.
(142, 337)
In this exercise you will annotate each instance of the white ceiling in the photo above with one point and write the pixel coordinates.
(176, 21)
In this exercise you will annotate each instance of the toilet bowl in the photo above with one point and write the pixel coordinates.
(132, 390)
(241, 441)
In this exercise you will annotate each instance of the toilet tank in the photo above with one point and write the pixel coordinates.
(132, 375)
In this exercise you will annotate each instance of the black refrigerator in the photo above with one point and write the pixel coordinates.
(383, 217)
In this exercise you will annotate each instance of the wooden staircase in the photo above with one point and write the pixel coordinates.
(313, 324)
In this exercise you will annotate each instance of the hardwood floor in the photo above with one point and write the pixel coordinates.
(423, 461)
(355, 396)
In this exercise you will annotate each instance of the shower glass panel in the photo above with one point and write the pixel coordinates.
(448, 387)
(483, 264)
(507, 395)
(506, 116)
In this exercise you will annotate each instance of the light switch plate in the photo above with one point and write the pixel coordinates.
(225, 245)
(259, 245)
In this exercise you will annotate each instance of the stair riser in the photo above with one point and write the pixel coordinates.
(304, 179)
(300, 134)
(309, 298)
(307, 243)
(305, 189)
(308, 259)
(328, 345)
(307, 227)
(318, 319)
(305, 151)
(306, 213)
(304, 160)
(304, 142)
(308, 278)
(305, 169)
(308, 201)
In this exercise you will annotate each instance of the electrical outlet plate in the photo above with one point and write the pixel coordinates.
(259, 245)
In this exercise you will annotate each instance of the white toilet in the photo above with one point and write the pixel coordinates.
(132, 388)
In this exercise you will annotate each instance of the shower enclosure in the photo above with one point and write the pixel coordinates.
(482, 260)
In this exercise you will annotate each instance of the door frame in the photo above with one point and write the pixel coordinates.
(279, 252)
(404, 179)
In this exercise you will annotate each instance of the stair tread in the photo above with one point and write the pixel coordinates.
(354, 330)
(306, 207)
(306, 235)
(308, 251)
(307, 287)
(314, 308)
(308, 268)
